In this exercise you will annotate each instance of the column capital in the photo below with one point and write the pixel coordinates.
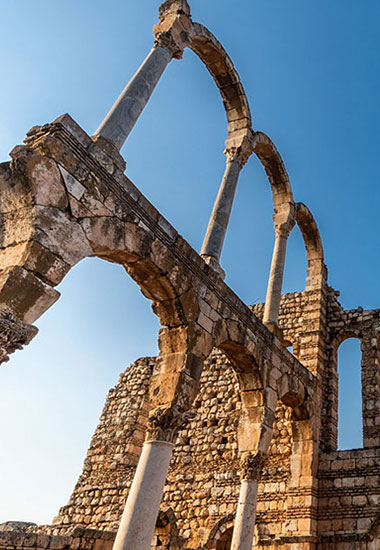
(239, 149)
(251, 465)
(175, 27)
(284, 219)
(14, 334)
(164, 423)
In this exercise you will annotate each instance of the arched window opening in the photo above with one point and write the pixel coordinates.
(288, 345)
(224, 543)
(54, 391)
(350, 430)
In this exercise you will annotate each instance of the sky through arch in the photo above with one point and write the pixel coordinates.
(311, 73)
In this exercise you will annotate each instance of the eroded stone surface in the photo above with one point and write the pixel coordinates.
(238, 405)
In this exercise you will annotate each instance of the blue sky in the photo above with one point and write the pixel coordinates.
(311, 72)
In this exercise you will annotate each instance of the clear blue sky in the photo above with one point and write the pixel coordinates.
(311, 72)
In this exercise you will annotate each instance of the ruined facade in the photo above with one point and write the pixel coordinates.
(226, 439)
(202, 488)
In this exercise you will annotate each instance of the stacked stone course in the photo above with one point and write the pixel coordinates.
(203, 482)
(234, 422)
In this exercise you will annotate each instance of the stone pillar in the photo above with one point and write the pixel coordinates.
(138, 522)
(172, 36)
(242, 538)
(273, 297)
(220, 216)
(172, 390)
(121, 119)
(370, 343)
(217, 227)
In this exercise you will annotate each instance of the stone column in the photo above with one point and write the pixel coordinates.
(242, 537)
(273, 297)
(172, 390)
(172, 36)
(220, 216)
(121, 119)
(138, 522)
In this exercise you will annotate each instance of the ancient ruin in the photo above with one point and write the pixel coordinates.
(226, 439)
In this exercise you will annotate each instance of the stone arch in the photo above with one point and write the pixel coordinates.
(56, 232)
(247, 357)
(220, 66)
(219, 531)
(166, 536)
(316, 270)
(351, 396)
(71, 214)
(177, 31)
(242, 140)
(275, 169)
(332, 403)
(239, 119)
(292, 345)
(258, 398)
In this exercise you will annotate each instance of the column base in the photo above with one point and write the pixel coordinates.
(214, 264)
(276, 330)
(110, 149)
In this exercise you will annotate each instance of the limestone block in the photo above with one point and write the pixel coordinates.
(24, 295)
(61, 236)
(72, 185)
(46, 182)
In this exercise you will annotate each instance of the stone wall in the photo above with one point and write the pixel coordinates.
(101, 491)
(365, 326)
(349, 495)
(203, 483)
(14, 536)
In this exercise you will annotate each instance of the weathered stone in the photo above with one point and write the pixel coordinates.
(63, 198)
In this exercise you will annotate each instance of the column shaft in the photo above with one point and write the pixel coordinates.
(122, 117)
(217, 227)
(138, 522)
(242, 538)
(273, 298)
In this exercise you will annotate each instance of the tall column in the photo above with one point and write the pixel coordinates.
(220, 216)
(121, 119)
(172, 36)
(172, 390)
(138, 522)
(217, 227)
(273, 298)
(284, 221)
(242, 537)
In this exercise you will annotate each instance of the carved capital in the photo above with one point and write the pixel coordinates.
(251, 465)
(14, 334)
(175, 27)
(165, 423)
(284, 219)
(239, 148)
